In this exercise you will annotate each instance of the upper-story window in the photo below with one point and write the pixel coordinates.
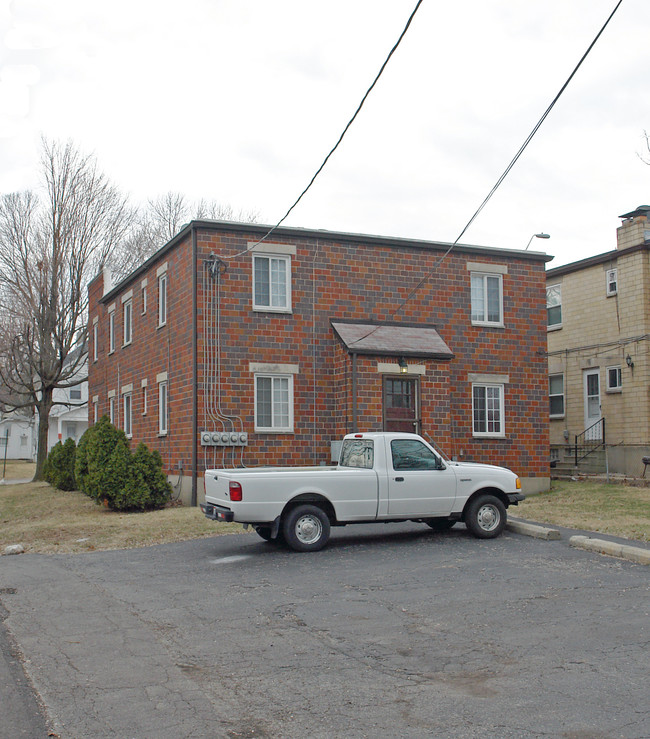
(162, 299)
(95, 340)
(487, 299)
(111, 332)
(554, 306)
(75, 393)
(614, 380)
(272, 282)
(612, 281)
(128, 321)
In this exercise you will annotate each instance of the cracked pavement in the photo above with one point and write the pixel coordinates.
(390, 631)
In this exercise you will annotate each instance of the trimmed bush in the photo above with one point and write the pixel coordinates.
(60, 466)
(112, 475)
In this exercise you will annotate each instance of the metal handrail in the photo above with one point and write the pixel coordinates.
(589, 445)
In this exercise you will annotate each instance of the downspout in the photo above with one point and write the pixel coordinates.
(195, 389)
(354, 393)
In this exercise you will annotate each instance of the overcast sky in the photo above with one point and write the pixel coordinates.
(240, 101)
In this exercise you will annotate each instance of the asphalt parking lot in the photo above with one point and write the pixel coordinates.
(391, 631)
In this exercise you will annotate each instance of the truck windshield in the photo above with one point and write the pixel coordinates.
(357, 453)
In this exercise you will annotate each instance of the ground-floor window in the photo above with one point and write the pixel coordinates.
(162, 408)
(274, 403)
(128, 406)
(487, 410)
(556, 395)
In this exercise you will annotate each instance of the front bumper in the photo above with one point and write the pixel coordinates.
(514, 498)
(217, 513)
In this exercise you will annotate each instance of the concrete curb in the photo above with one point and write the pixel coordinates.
(612, 548)
(530, 529)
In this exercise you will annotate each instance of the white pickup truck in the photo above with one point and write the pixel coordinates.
(380, 477)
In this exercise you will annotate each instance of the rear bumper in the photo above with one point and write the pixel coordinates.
(514, 498)
(217, 513)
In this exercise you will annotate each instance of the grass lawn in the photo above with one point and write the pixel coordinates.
(619, 510)
(46, 520)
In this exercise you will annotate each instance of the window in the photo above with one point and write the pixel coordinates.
(614, 380)
(162, 299)
(554, 306)
(144, 400)
(111, 332)
(274, 403)
(272, 283)
(95, 342)
(358, 453)
(487, 410)
(144, 299)
(128, 321)
(95, 411)
(75, 393)
(556, 395)
(111, 410)
(411, 454)
(162, 408)
(128, 407)
(612, 286)
(487, 300)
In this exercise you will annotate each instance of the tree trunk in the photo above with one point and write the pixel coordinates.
(44, 406)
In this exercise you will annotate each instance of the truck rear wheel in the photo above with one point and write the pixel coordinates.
(485, 516)
(306, 528)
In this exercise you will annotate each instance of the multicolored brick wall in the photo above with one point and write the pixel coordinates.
(332, 278)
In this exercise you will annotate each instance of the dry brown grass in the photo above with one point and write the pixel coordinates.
(46, 520)
(619, 510)
(16, 469)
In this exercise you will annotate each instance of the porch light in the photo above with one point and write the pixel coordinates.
(403, 367)
(628, 361)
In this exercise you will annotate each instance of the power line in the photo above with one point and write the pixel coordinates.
(340, 139)
(501, 178)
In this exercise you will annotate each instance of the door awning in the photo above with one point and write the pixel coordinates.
(392, 339)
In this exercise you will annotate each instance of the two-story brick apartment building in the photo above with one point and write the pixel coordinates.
(222, 351)
(598, 343)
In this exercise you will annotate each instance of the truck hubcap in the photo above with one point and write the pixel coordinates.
(308, 529)
(488, 517)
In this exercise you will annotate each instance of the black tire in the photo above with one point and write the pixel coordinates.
(485, 517)
(306, 528)
(264, 532)
(440, 524)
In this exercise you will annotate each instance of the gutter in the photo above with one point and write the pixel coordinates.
(195, 380)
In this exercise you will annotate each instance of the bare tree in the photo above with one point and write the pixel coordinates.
(49, 249)
(161, 219)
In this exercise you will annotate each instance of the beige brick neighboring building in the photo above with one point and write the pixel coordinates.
(598, 344)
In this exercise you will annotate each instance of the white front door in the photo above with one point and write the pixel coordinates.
(591, 380)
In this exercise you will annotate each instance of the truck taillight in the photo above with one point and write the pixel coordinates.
(235, 491)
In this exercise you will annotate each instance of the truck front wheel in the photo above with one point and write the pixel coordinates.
(485, 517)
(306, 528)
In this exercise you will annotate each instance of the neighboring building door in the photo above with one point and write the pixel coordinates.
(401, 404)
(591, 380)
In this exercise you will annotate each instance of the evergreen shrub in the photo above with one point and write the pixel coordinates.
(60, 465)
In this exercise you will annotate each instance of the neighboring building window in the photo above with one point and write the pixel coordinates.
(554, 306)
(111, 410)
(272, 283)
(144, 300)
(95, 411)
(95, 343)
(128, 408)
(556, 395)
(487, 410)
(274, 403)
(612, 282)
(128, 322)
(487, 299)
(162, 408)
(75, 393)
(614, 380)
(111, 332)
(162, 299)
(144, 401)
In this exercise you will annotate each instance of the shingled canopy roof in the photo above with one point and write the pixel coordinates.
(392, 339)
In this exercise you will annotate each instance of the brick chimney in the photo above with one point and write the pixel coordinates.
(635, 228)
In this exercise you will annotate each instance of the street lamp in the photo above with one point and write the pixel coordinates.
(537, 236)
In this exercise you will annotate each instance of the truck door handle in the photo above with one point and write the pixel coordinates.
(399, 479)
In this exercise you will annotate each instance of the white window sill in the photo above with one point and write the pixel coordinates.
(264, 309)
(486, 324)
(614, 390)
(557, 418)
(478, 435)
(273, 431)
(162, 433)
(555, 327)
